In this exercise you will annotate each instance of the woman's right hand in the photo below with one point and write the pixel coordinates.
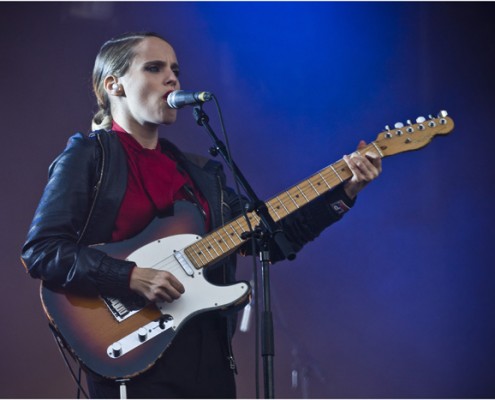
(155, 285)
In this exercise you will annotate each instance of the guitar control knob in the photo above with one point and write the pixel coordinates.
(142, 334)
(116, 349)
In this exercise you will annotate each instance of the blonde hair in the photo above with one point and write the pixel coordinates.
(114, 58)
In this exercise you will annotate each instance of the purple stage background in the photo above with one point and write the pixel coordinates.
(397, 300)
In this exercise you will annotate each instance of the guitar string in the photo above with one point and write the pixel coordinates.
(330, 176)
(308, 189)
(216, 241)
(214, 245)
(289, 203)
(286, 202)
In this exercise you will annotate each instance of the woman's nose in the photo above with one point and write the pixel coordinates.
(171, 79)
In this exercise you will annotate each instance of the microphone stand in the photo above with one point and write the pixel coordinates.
(265, 233)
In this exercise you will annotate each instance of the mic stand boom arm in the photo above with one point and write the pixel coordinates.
(269, 231)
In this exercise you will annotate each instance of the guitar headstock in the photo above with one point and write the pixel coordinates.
(413, 136)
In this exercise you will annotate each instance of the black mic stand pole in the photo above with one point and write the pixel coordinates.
(269, 231)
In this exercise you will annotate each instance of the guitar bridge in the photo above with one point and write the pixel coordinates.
(122, 309)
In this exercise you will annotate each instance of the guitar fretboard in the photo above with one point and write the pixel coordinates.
(227, 239)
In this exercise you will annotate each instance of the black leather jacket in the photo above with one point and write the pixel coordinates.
(80, 203)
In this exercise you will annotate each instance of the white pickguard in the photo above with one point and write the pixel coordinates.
(200, 295)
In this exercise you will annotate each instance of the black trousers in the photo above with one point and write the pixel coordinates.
(195, 365)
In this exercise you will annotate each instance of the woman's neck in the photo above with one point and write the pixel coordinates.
(146, 135)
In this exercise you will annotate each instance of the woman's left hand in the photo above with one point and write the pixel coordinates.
(364, 167)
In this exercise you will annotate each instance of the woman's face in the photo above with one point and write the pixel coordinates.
(152, 74)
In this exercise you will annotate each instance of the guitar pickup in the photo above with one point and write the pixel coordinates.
(184, 263)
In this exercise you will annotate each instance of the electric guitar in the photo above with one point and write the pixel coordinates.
(121, 338)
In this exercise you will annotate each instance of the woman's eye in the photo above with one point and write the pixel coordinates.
(153, 68)
(176, 72)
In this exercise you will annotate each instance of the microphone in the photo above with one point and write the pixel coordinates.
(181, 98)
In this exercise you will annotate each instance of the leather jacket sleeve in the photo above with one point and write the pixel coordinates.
(53, 250)
(307, 223)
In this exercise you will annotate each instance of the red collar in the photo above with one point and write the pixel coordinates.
(130, 140)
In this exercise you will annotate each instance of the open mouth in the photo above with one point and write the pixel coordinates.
(165, 96)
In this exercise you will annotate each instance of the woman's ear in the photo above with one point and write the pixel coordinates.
(112, 87)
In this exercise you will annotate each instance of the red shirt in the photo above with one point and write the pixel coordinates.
(153, 185)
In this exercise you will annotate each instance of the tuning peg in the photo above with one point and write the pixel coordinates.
(420, 121)
(398, 126)
(388, 134)
(442, 115)
(409, 129)
(431, 122)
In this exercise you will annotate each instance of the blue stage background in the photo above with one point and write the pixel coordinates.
(396, 300)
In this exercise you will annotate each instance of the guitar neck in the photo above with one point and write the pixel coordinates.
(228, 238)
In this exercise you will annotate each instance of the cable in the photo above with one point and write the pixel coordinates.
(61, 348)
(253, 245)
